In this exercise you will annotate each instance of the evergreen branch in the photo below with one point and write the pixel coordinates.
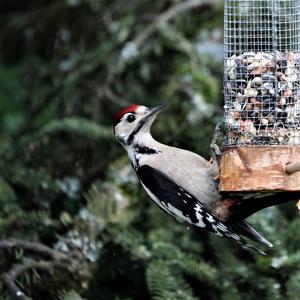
(168, 15)
(75, 125)
(167, 283)
(9, 282)
(79, 126)
(58, 260)
(72, 295)
(16, 218)
(7, 194)
(34, 247)
(9, 278)
(200, 270)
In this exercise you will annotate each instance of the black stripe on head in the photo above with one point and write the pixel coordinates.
(135, 131)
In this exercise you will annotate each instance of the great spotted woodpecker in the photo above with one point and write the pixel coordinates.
(182, 183)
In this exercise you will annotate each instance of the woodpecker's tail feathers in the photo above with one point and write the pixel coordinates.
(248, 231)
(251, 248)
(248, 206)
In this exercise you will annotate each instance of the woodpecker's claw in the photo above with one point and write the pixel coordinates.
(213, 145)
(215, 150)
(217, 133)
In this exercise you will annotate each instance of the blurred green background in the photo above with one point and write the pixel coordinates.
(66, 67)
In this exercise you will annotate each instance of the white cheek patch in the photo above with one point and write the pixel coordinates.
(122, 131)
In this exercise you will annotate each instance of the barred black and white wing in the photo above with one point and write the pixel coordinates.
(179, 203)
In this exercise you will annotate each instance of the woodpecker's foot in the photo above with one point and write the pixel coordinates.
(213, 145)
(215, 151)
(217, 133)
(215, 155)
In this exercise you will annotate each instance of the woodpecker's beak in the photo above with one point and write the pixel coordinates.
(153, 112)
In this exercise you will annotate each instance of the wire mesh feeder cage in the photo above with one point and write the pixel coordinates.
(262, 94)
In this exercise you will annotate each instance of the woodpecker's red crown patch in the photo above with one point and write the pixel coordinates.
(130, 109)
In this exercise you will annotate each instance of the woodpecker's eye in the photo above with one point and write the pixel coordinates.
(130, 118)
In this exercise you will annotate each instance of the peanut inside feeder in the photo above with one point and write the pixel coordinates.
(263, 98)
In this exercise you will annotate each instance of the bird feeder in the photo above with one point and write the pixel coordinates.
(261, 150)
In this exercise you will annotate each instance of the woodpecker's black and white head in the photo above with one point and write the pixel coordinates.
(132, 124)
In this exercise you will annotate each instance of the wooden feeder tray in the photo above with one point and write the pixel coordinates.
(245, 169)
